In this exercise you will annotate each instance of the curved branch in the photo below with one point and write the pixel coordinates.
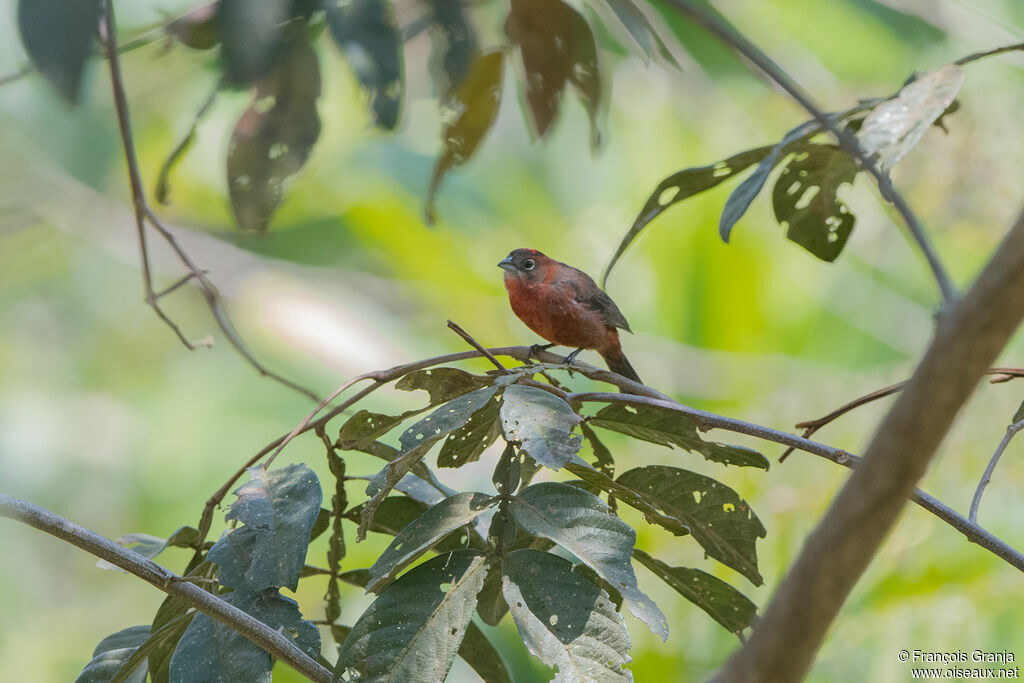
(1011, 432)
(256, 631)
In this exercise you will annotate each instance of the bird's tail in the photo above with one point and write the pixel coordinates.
(617, 362)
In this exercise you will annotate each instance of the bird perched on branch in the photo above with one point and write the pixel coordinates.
(566, 307)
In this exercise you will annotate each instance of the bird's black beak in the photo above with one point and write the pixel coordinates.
(506, 264)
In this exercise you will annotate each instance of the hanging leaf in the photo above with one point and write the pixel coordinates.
(557, 47)
(895, 126)
(277, 510)
(482, 656)
(565, 620)
(58, 36)
(454, 44)
(251, 38)
(416, 538)
(668, 428)
(682, 185)
(718, 518)
(722, 602)
(468, 113)
(541, 423)
(639, 26)
(581, 523)
(414, 629)
(443, 384)
(196, 28)
(112, 653)
(274, 137)
(366, 33)
(490, 604)
(467, 442)
(806, 202)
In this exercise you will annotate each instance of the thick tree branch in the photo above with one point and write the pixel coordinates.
(256, 631)
(966, 342)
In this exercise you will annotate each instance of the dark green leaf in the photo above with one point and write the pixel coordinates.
(365, 31)
(416, 441)
(541, 423)
(667, 428)
(738, 202)
(112, 653)
(454, 44)
(490, 604)
(413, 630)
(162, 191)
(156, 649)
(419, 535)
(719, 520)
(467, 442)
(336, 542)
(682, 185)
(581, 523)
(722, 602)
(393, 514)
(275, 135)
(443, 384)
(323, 521)
(630, 497)
(478, 652)
(468, 113)
(251, 35)
(58, 36)
(639, 26)
(806, 202)
(565, 620)
(211, 651)
(277, 509)
(603, 459)
(363, 428)
(197, 28)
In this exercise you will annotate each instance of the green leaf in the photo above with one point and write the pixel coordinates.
(541, 423)
(740, 199)
(443, 384)
(565, 620)
(58, 36)
(581, 523)
(363, 428)
(416, 441)
(557, 47)
(454, 44)
(413, 630)
(157, 647)
(277, 509)
(718, 518)
(482, 656)
(603, 459)
(196, 28)
(466, 443)
(806, 202)
(321, 524)
(722, 602)
(111, 653)
(668, 428)
(682, 185)
(211, 651)
(163, 642)
(468, 112)
(251, 35)
(490, 603)
(630, 497)
(275, 135)
(366, 32)
(639, 26)
(419, 535)
(893, 127)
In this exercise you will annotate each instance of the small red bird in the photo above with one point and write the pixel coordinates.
(566, 307)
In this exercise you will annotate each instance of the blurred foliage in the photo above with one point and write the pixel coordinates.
(105, 418)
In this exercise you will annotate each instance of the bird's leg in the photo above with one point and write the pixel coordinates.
(537, 348)
(572, 356)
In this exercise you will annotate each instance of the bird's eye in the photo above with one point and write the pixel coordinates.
(528, 264)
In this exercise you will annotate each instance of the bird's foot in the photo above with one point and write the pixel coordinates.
(572, 356)
(537, 348)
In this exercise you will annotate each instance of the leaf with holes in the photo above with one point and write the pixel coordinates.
(274, 137)
(639, 26)
(443, 384)
(454, 44)
(212, 651)
(718, 518)
(277, 510)
(490, 604)
(895, 126)
(468, 113)
(426, 530)
(363, 428)
(634, 499)
(414, 629)
(557, 47)
(416, 441)
(251, 33)
(668, 428)
(467, 442)
(366, 33)
(722, 602)
(541, 423)
(58, 36)
(806, 202)
(113, 653)
(565, 620)
(581, 523)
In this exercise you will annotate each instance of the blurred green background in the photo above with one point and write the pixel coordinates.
(106, 419)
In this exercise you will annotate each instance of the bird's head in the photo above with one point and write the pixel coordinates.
(525, 264)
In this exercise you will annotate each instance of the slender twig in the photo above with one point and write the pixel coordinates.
(454, 327)
(1011, 432)
(273, 642)
(725, 32)
(989, 53)
(144, 214)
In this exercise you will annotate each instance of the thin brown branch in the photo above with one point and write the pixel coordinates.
(715, 24)
(457, 329)
(273, 642)
(1011, 432)
(989, 53)
(144, 214)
